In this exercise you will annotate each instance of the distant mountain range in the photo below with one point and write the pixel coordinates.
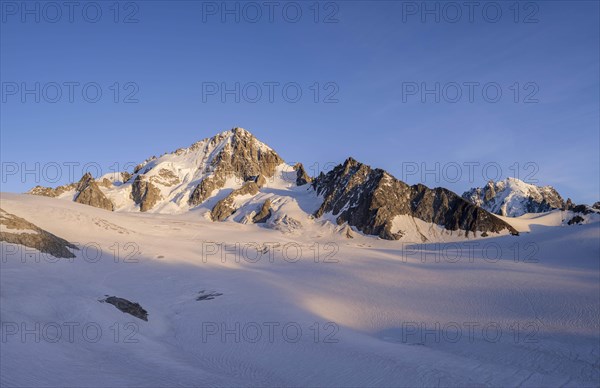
(513, 198)
(233, 176)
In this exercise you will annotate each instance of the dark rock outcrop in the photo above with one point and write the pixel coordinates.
(369, 199)
(144, 193)
(568, 204)
(242, 158)
(127, 307)
(207, 295)
(17, 230)
(88, 193)
(225, 207)
(576, 220)
(302, 177)
(205, 188)
(264, 214)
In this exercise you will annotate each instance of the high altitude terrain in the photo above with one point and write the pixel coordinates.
(234, 177)
(220, 264)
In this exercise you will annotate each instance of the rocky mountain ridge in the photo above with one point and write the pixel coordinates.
(369, 199)
(234, 176)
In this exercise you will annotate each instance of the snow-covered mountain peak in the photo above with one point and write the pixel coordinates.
(186, 177)
(512, 197)
(226, 139)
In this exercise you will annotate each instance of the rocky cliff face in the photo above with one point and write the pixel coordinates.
(226, 207)
(513, 197)
(369, 199)
(17, 230)
(88, 193)
(144, 193)
(302, 177)
(241, 157)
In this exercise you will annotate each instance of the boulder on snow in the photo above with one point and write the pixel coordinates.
(127, 307)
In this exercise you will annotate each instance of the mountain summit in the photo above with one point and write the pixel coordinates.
(233, 176)
(376, 203)
(513, 197)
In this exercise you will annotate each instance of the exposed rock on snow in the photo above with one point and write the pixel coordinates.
(88, 193)
(264, 214)
(128, 307)
(580, 214)
(205, 189)
(165, 177)
(575, 220)
(17, 230)
(513, 197)
(210, 295)
(226, 207)
(145, 193)
(50, 192)
(302, 177)
(369, 199)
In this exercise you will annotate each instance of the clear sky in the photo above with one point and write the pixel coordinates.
(369, 61)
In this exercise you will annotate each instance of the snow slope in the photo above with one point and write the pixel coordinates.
(386, 312)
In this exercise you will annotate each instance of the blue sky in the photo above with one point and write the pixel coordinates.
(544, 127)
